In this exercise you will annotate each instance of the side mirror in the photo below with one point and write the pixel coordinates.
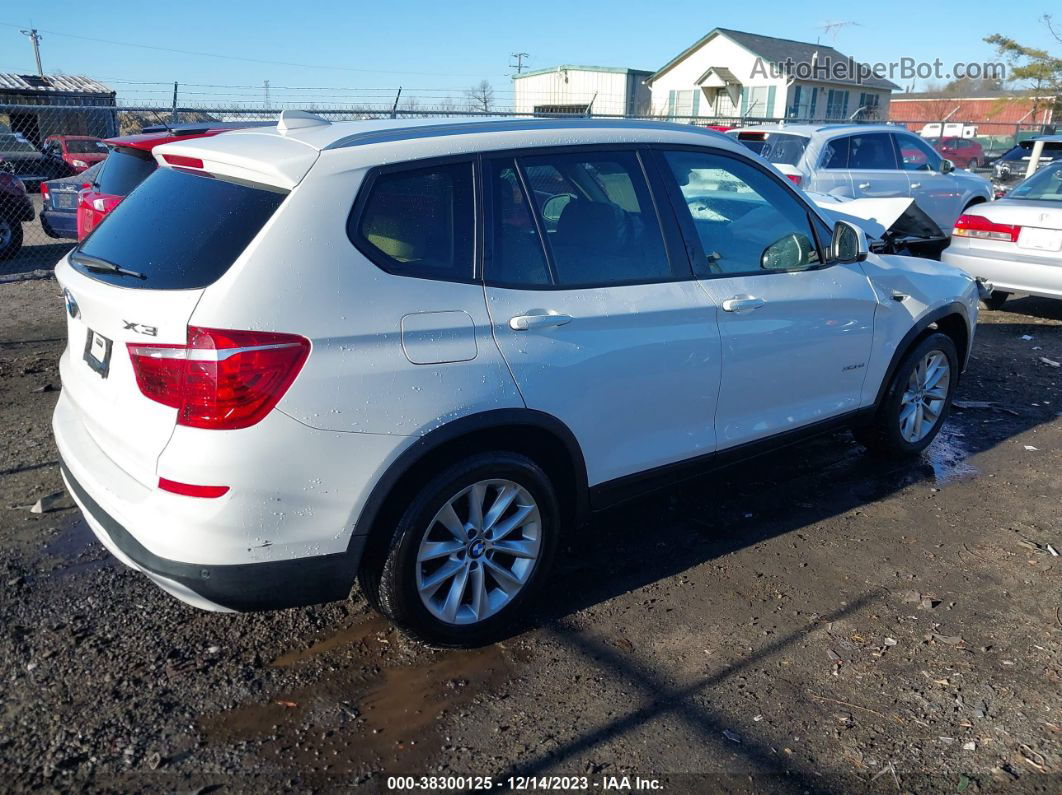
(946, 166)
(786, 253)
(849, 243)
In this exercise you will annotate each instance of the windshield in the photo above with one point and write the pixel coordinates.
(86, 147)
(13, 142)
(775, 147)
(1044, 185)
(180, 231)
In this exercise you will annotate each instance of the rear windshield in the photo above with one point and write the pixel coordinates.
(1023, 150)
(124, 170)
(14, 142)
(776, 147)
(180, 231)
(83, 147)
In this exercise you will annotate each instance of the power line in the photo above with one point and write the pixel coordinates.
(240, 58)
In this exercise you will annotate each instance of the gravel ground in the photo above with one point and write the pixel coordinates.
(815, 621)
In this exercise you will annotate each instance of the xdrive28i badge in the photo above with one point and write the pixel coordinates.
(72, 308)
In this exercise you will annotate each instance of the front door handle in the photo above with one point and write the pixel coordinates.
(537, 321)
(742, 303)
(864, 185)
(916, 185)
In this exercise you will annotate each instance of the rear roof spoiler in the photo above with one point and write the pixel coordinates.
(198, 128)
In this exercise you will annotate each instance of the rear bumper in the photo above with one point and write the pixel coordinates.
(1009, 276)
(282, 537)
(268, 585)
(58, 223)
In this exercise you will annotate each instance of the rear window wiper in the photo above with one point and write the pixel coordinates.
(102, 265)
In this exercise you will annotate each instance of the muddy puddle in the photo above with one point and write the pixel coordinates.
(72, 550)
(361, 702)
(948, 457)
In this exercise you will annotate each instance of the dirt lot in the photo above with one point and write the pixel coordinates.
(816, 621)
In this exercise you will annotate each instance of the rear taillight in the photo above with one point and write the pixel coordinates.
(221, 380)
(92, 208)
(794, 178)
(977, 226)
(44, 191)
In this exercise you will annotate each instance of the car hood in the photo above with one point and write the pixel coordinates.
(899, 218)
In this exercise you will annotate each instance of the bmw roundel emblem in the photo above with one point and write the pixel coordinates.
(72, 308)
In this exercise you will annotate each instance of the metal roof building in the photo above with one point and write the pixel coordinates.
(39, 106)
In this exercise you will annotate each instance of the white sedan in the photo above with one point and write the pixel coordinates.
(1015, 242)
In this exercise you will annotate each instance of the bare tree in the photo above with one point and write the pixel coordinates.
(480, 97)
(410, 103)
(447, 105)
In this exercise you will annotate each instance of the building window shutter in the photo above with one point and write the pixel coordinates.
(697, 101)
(670, 104)
(744, 101)
(814, 98)
(770, 102)
(844, 106)
(794, 109)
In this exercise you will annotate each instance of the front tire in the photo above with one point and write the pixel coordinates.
(917, 399)
(469, 552)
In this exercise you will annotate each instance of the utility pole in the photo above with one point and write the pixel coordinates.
(519, 65)
(173, 114)
(35, 37)
(265, 84)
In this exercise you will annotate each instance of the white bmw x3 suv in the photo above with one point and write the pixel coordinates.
(416, 354)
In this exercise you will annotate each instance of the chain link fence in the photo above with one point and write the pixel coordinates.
(48, 154)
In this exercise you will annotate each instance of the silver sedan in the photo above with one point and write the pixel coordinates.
(1015, 242)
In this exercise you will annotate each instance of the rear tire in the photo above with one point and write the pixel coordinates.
(10, 238)
(917, 400)
(445, 575)
(995, 300)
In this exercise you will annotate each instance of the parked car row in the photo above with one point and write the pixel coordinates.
(62, 156)
(868, 162)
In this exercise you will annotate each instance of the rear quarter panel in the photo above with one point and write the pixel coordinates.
(303, 275)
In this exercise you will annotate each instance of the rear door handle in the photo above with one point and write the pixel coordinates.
(742, 303)
(537, 321)
(916, 185)
(864, 185)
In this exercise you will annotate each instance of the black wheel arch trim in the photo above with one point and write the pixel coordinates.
(464, 426)
(916, 331)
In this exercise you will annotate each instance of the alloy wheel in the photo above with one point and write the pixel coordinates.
(479, 551)
(925, 396)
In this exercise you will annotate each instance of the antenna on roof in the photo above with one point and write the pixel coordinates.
(830, 28)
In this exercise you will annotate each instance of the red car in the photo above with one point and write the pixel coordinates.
(130, 163)
(77, 151)
(963, 152)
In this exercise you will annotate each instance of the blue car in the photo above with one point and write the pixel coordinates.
(59, 202)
